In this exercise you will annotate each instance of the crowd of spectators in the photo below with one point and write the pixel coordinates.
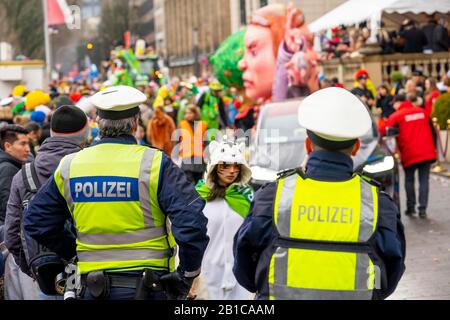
(354, 41)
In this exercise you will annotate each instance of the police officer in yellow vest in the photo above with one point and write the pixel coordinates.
(120, 197)
(326, 233)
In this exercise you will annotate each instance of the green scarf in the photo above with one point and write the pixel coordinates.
(238, 198)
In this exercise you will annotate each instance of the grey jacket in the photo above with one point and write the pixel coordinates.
(46, 162)
(8, 168)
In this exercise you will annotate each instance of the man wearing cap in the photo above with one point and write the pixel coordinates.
(69, 133)
(121, 196)
(361, 90)
(326, 233)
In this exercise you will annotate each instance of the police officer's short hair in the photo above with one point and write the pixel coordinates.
(116, 128)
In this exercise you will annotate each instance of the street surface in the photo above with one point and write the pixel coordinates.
(427, 275)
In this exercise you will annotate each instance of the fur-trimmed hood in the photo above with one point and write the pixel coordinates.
(227, 152)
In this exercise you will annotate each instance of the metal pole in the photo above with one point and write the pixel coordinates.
(48, 54)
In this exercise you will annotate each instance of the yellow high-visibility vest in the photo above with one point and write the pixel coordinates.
(323, 249)
(111, 192)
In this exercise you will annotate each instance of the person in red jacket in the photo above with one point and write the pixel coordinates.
(417, 150)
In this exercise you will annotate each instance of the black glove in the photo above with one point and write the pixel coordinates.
(177, 286)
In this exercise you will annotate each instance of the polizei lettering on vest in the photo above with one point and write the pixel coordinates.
(103, 189)
(327, 214)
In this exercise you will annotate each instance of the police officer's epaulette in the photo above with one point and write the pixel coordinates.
(371, 181)
(155, 148)
(289, 172)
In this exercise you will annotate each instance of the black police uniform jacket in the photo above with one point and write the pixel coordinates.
(254, 240)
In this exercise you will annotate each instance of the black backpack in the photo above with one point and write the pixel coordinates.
(32, 185)
(31, 182)
(41, 264)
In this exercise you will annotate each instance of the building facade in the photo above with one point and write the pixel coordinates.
(160, 28)
(193, 29)
(242, 12)
(313, 9)
(142, 21)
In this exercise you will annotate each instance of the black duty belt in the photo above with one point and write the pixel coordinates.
(100, 283)
(119, 281)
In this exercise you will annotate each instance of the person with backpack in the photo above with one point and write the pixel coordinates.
(69, 133)
(122, 195)
(14, 152)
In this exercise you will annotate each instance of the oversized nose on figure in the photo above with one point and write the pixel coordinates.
(242, 64)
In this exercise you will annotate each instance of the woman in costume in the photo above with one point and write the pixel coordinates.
(228, 198)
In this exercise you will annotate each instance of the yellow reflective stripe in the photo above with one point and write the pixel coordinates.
(326, 211)
(109, 159)
(65, 176)
(366, 224)
(281, 266)
(285, 206)
(272, 270)
(170, 238)
(318, 274)
(122, 255)
(372, 280)
(277, 201)
(305, 274)
(144, 187)
(362, 273)
(122, 266)
(325, 270)
(286, 293)
(375, 208)
(121, 238)
(108, 217)
(154, 183)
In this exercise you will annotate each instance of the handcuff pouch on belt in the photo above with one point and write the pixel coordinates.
(98, 284)
(148, 284)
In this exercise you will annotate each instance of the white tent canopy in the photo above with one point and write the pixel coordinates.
(356, 11)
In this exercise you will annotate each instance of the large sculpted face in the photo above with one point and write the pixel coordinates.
(259, 63)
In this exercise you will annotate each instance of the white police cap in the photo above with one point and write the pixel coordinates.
(118, 102)
(6, 101)
(334, 114)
